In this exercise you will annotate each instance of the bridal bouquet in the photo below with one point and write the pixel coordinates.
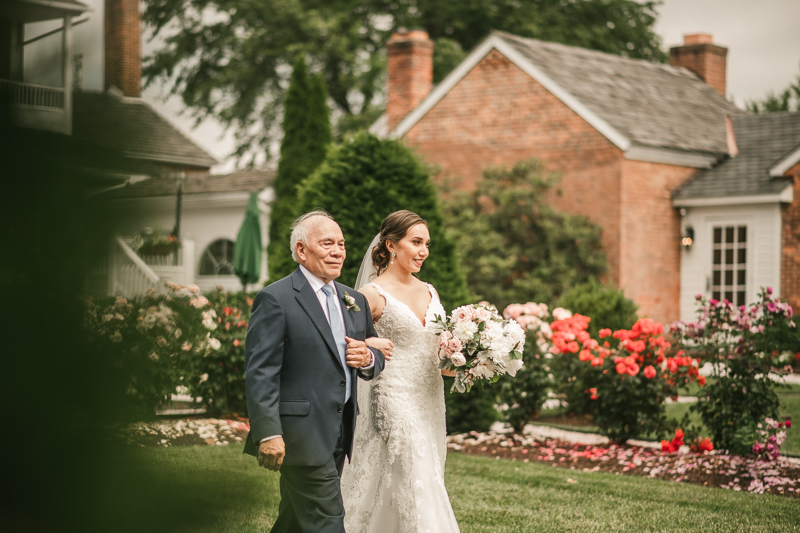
(477, 343)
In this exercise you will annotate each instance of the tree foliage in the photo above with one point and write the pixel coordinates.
(786, 100)
(365, 179)
(514, 246)
(231, 59)
(307, 133)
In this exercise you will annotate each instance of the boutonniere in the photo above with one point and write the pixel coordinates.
(350, 302)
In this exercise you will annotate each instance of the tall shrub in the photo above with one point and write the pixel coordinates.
(514, 246)
(365, 179)
(306, 135)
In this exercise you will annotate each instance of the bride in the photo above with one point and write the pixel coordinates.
(395, 483)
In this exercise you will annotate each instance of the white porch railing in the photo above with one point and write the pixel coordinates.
(29, 94)
(129, 275)
(123, 272)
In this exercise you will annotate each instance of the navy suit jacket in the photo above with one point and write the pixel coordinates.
(295, 379)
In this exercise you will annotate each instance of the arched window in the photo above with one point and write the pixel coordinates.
(217, 260)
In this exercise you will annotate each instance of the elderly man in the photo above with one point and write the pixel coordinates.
(305, 348)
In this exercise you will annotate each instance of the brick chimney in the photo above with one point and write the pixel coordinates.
(123, 46)
(700, 55)
(410, 72)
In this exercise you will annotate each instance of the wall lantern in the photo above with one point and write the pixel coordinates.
(688, 238)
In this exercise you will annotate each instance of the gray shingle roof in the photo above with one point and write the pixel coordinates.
(651, 104)
(762, 141)
(244, 181)
(131, 126)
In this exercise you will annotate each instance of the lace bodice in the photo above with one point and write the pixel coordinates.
(396, 480)
(415, 359)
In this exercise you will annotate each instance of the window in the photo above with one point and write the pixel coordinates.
(217, 260)
(729, 271)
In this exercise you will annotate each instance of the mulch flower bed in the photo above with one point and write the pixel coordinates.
(713, 469)
(187, 432)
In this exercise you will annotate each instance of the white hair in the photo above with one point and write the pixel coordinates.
(301, 230)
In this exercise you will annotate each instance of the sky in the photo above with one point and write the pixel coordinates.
(762, 38)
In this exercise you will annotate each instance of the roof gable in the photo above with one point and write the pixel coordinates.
(633, 103)
(764, 141)
(134, 128)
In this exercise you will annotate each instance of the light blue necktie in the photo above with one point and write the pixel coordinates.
(335, 318)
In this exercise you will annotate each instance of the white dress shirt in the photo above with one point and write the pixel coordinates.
(316, 285)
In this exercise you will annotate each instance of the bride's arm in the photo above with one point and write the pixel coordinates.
(376, 305)
(449, 373)
(375, 300)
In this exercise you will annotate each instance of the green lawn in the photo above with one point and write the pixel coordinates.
(487, 495)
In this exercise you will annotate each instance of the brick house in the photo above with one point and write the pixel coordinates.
(624, 134)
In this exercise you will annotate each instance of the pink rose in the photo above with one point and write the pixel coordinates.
(513, 311)
(463, 313)
(482, 314)
(454, 345)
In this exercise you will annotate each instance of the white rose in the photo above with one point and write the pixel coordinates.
(203, 378)
(458, 359)
(465, 331)
(559, 313)
(153, 356)
(215, 344)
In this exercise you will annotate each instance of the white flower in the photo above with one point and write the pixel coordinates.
(153, 356)
(559, 313)
(199, 302)
(178, 333)
(465, 330)
(203, 378)
(194, 288)
(513, 366)
(215, 344)
(186, 346)
(458, 359)
(208, 319)
(482, 372)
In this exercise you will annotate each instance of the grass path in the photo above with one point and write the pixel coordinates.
(229, 493)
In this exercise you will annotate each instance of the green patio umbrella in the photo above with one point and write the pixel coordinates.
(247, 252)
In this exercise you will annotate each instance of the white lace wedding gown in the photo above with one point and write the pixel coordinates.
(395, 483)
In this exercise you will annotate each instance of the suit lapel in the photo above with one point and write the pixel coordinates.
(308, 301)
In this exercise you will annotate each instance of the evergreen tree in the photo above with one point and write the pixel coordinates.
(307, 132)
(365, 179)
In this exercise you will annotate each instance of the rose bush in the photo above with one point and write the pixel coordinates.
(626, 379)
(154, 342)
(745, 345)
(525, 394)
(219, 377)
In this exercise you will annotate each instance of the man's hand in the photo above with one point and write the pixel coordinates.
(271, 453)
(358, 355)
(384, 345)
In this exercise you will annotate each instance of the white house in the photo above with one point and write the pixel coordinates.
(741, 219)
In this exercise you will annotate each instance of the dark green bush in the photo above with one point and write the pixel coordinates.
(607, 306)
(365, 179)
(471, 411)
